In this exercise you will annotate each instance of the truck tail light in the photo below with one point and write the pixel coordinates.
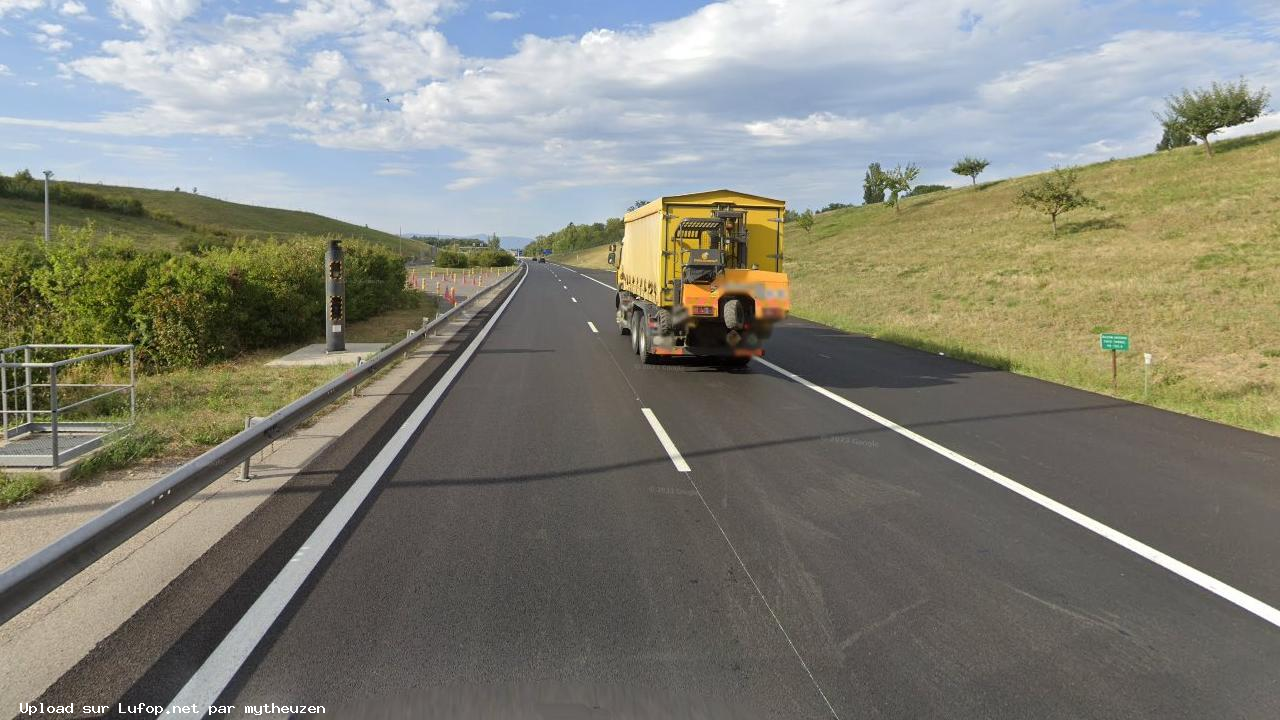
(703, 310)
(774, 312)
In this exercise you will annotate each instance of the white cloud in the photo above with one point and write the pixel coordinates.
(4, 70)
(501, 15)
(72, 8)
(750, 86)
(817, 127)
(154, 16)
(50, 36)
(17, 7)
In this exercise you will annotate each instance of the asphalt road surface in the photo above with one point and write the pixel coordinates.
(850, 530)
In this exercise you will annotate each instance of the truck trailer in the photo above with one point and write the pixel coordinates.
(701, 274)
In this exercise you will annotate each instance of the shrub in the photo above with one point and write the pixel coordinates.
(184, 310)
(451, 259)
(20, 302)
(183, 316)
(926, 189)
(88, 285)
(375, 278)
(492, 258)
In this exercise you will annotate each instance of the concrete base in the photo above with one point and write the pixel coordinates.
(316, 355)
(53, 475)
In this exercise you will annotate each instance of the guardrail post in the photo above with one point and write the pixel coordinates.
(244, 469)
(53, 414)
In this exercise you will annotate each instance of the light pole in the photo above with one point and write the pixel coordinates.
(47, 174)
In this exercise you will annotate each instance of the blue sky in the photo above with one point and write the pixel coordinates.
(516, 117)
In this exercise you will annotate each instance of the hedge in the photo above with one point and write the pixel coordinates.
(184, 310)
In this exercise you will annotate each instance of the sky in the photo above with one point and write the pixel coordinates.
(518, 117)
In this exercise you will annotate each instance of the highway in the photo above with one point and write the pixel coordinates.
(538, 525)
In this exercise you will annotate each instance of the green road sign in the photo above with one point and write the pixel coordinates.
(1115, 341)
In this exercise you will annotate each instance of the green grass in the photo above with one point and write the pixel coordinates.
(191, 410)
(1184, 256)
(23, 219)
(16, 488)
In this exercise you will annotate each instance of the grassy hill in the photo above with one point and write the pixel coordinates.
(1184, 256)
(173, 218)
(596, 258)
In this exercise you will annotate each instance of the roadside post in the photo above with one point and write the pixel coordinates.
(244, 469)
(1146, 373)
(335, 290)
(1115, 342)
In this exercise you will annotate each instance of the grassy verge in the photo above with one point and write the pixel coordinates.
(184, 412)
(1184, 257)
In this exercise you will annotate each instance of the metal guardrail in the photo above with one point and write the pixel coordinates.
(30, 450)
(24, 583)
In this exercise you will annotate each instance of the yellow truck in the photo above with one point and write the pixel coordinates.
(701, 274)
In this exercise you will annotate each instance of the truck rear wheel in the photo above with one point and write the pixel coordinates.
(647, 356)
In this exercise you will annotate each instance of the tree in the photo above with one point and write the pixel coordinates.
(805, 221)
(970, 167)
(495, 243)
(873, 185)
(637, 205)
(898, 181)
(1201, 113)
(1173, 137)
(1054, 194)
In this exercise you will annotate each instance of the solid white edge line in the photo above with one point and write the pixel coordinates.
(665, 439)
(593, 327)
(208, 682)
(1177, 567)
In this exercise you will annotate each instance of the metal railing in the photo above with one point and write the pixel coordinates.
(22, 584)
(18, 400)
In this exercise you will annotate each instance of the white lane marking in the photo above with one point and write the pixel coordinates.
(683, 467)
(208, 682)
(574, 299)
(566, 287)
(665, 439)
(607, 285)
(1177, 567)
(593, 327)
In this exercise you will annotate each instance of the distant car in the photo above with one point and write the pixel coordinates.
(542, 260)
